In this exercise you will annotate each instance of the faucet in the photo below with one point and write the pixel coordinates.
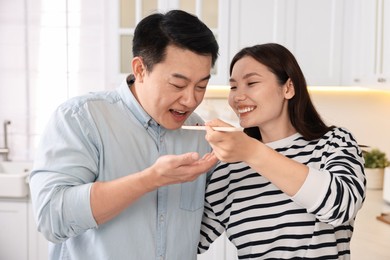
(5, 150)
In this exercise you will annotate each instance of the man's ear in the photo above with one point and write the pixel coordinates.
(289, 89)
(138, 68)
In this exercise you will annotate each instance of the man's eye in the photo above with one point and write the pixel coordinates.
(201, 87)
(177, 86)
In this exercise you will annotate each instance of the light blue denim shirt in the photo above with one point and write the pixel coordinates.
(101, 137)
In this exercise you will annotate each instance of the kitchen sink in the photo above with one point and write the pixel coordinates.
(14, 179)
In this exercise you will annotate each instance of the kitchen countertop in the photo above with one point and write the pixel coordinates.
(371, 237)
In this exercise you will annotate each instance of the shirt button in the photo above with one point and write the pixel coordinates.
(161, 218)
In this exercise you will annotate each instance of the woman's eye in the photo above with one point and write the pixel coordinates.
(233, 87)
(252, 83)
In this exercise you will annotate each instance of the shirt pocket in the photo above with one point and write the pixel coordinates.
(192, 194)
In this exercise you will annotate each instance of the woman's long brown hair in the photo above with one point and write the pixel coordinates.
(280, 61)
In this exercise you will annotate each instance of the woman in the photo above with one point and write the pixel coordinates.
(290, 186)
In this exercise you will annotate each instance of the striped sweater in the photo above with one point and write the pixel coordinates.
(264, 223)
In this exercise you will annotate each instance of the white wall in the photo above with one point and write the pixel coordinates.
(365, 113)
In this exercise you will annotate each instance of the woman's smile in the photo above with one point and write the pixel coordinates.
(242, 111)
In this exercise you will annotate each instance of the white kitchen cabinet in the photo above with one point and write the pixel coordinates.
(311, 30)
(13, 236)
(19, 238)
(370, 43)
(316, 38)
(254, 22)
(38, 245)
(385, 44)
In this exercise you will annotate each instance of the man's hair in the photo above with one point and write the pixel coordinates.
(178, 28)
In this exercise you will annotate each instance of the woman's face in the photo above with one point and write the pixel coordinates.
(257, 97)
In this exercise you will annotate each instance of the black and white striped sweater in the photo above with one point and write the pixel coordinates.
(264, 223)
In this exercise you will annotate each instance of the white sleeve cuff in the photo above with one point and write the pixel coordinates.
(313, 190)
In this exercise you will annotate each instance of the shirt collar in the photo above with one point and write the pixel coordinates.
(132, 103)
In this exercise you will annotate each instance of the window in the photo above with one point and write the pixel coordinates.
(124, 17)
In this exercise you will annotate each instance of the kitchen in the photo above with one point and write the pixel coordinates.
(50, 52)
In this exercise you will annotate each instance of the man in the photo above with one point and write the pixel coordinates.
(115, 177)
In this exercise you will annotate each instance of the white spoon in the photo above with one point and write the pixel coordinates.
(216, 128)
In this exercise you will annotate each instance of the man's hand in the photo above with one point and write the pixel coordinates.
(171, 169)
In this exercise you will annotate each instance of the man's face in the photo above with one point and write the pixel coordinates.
(174, 88)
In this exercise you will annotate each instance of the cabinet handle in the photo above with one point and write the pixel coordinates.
(356, 80)
(381, 80)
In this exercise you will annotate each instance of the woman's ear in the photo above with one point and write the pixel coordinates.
(289, 89)
(138, 68)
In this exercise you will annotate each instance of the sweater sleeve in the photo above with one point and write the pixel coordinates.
(335, 192)
(211, 228)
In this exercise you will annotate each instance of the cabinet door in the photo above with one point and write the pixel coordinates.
(363, 58)
(38, 248)
(384, 76)
(317, 39)
(311, 30)
(13, 235)
(369, 58)
(256, 22)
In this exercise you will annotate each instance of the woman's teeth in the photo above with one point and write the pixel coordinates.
(245, 109)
